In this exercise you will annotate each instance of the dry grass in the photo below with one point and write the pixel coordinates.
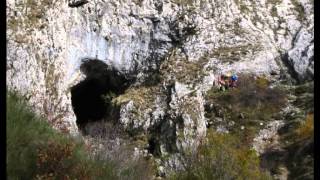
(243, 8)
(142, 96)
(306, 129)
(234, 53)
(182, 69)
(184, 2)
(299, 9)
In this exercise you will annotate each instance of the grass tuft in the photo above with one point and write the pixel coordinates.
(306, 129)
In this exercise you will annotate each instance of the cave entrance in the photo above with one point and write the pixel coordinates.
(87, 96)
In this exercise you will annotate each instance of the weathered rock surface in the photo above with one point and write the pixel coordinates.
(300, 57)
(47, 40)
(268, 137)
(188, 43)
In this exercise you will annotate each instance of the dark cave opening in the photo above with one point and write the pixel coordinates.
(154, 147)
(87, 96)
(88, 105)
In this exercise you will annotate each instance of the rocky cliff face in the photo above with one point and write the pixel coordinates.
(185, 43)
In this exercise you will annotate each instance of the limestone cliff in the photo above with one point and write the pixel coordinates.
(188, 43)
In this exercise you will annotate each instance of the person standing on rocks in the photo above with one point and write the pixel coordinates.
(223, 82)
(226, 81)
(234, 79)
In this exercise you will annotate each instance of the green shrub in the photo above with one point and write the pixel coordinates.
(221, 157)
(298, 142)
(36, 151)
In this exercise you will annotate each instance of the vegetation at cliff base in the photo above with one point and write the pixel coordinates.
(221, 157)
(36, 151)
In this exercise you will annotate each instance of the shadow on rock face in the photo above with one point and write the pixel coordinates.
(87, 96)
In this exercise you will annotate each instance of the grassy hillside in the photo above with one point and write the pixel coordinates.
(36, 151)
(222, 157)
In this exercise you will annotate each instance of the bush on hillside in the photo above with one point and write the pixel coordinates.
(221, 157)
(253, 97)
